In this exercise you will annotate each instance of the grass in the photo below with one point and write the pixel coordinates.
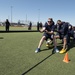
(17, 56)
(17, 28)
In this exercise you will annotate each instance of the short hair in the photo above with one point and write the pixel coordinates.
(50, 19)
(58, 20)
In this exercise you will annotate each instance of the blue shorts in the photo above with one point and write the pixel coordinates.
(50, 36)
(71, 34)
(62, 36)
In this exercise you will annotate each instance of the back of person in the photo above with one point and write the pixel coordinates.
(7, 25)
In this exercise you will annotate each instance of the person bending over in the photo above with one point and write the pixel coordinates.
(62, 33)
(48, 30)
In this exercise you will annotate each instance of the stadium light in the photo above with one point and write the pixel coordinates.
(11, 13)
(38, 15)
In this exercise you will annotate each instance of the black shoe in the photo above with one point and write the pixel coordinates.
(37, 50)
(55, 50)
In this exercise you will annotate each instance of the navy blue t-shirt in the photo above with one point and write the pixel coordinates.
(49, 27)
(62, 29)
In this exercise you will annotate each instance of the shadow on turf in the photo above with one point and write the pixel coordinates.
(36, 64)
(50, 48)
(1, 38)
(72, 44)
(45, 50)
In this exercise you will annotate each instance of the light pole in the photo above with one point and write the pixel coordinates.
(26, 17)
(11, 14)
(38, 15)
(8, 17)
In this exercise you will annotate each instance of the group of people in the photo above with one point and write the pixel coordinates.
(39, 25)
(64, 31)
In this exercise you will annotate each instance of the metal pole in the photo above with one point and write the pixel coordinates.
(38, 15)
(11, 14)
(26, 17)
(8, 17)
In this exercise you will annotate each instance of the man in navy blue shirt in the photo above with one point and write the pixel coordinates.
(48, 30)
(62, 33)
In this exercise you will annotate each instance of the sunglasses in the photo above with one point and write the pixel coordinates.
(49, 21)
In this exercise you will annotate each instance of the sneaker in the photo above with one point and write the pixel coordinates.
(62, 51)
(37, 50)
(55, 50)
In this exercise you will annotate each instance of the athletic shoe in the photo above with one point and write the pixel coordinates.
(62, 51)
(55, 50)
(37, 50)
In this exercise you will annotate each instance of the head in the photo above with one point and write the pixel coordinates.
(6, 20)
(73, 28)
(50, 21)
(59, 22)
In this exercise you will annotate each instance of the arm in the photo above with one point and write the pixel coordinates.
(52, 30)
(49, 32)
(43, 29)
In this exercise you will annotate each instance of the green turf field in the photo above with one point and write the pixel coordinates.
(17, 56)
(17, 28)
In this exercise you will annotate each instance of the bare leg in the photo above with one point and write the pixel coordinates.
(54, 40)
(41, 41)
(65, 42)
(55, 50)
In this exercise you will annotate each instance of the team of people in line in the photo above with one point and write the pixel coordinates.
(64, 31)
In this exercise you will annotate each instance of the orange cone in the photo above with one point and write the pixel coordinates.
(66, 58)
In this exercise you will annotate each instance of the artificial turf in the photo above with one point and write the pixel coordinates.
(18, 57)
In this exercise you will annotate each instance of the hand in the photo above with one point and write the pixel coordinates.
(57, 31)
(46, 31)
(41, 31)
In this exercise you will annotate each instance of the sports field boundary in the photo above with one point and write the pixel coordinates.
(12, 31)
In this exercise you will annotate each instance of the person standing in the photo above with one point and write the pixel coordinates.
(41, 25)
(30, 26)
(7, 24)
(38, 24)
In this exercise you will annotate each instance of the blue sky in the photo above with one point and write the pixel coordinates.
(56, 9)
